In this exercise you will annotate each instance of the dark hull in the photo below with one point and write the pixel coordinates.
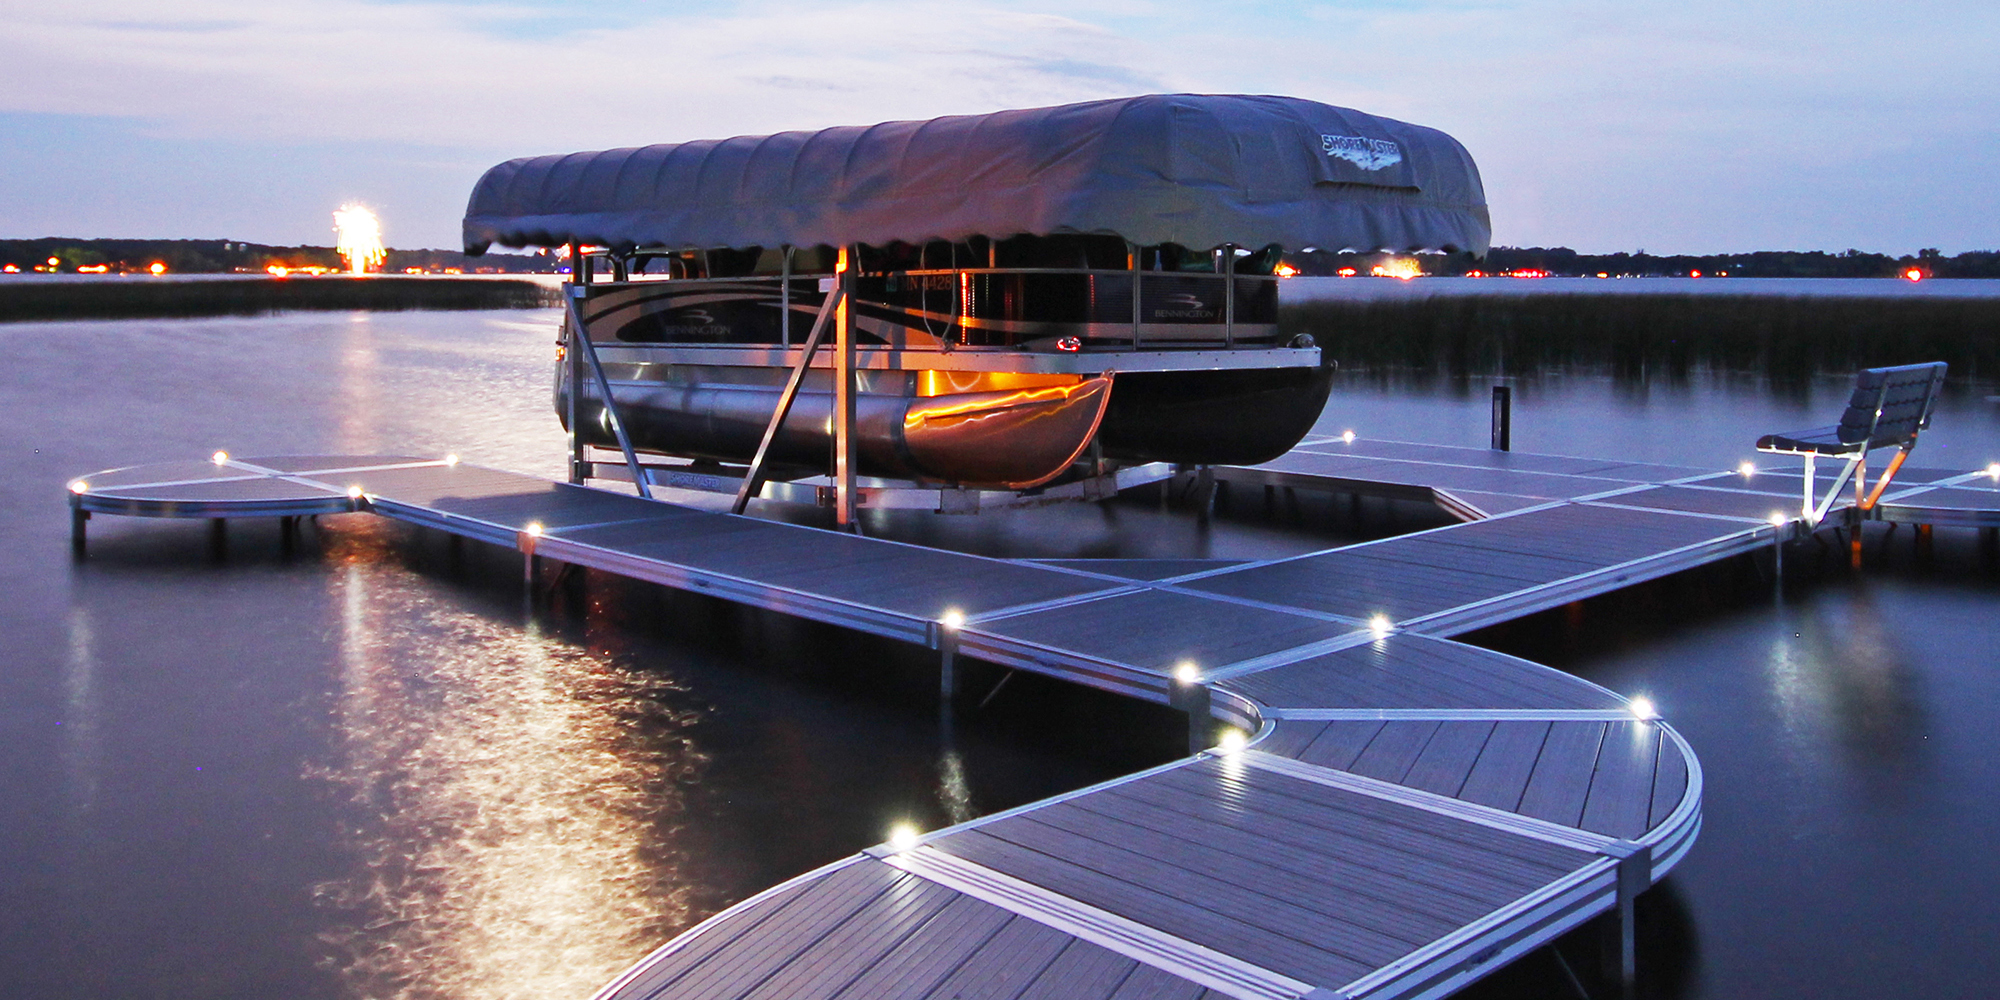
(1240, 417)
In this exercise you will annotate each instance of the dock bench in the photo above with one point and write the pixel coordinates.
(1888, 408)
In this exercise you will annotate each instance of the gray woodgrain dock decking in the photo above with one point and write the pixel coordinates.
(1407, 812)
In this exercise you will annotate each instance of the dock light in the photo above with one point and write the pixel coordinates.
(1994, 471)
(354, 493)
(1379, 624)
(952, 619)
(1347, 437)
(1233, 740)
(1747, 469)
(534, 529)
(1642, 709)
(79, 487)
(219, 458)
(1778, 519)
(1186, 672)
(902, 837)
(451, 460)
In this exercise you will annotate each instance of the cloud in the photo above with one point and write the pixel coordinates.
(1696, 125)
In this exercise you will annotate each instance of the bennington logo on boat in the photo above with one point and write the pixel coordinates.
(696, 323)
(1181, 305)
(1368, 154)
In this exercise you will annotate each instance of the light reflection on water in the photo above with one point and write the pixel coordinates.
(514, 802)
(1848, 698)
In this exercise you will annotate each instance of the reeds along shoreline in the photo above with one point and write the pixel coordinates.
(1786, 339)
(159, 299)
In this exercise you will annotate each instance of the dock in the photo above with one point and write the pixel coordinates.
(1393, 814)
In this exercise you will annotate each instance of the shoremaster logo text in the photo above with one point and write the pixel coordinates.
(1368, 154)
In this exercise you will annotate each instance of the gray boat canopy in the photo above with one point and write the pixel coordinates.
(1197, 170)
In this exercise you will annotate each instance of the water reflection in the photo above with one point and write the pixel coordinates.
(1842, 686)
(81, 750)
(512, 798)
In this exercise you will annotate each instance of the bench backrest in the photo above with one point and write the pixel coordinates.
(1890, 405)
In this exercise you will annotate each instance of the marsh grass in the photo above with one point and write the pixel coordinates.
(250, 296)
(1783, 338)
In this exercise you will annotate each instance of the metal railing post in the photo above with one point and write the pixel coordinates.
(843, 391)
(1229, 295)
(753, 479)
(604, 388)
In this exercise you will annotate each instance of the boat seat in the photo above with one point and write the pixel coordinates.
(1888, 408)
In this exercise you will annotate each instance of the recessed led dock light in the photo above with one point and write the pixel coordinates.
(219, 457)
(1347, 437)
(79, 487)
(1186, 672)
(1642, 708)
(1778, 519)
(952, 619)
(902, 837)
(1233, 740)
(1379, 624)
(534, 529)
(1747, 469)
(1994, 470)
(451, 460)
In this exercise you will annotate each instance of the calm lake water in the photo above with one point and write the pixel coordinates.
(366, 771)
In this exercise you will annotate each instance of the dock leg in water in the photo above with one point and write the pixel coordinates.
(288, 535)
(1192, 697)
(218, 537)
(947, 667)
(79, 517)
(1635, 874)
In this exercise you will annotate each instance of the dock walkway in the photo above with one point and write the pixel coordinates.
(1407, 814)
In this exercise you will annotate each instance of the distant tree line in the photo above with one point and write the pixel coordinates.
(230, 256)
(1564, 262)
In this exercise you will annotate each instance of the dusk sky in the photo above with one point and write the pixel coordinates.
(1692, 126)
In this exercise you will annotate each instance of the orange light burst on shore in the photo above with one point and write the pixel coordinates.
(1285, 271)
(360, 239)
(156, 269)
(1397, 267)
(1914, 274)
